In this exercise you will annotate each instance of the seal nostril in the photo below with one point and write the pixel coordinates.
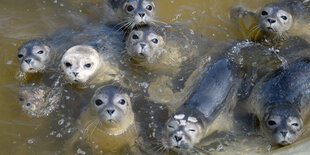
(141, 15)
(271, 21)
(141, 54)
(284, 133)
(28, 61)
(75, 74)
(110, 111)
(178, 138)
(142, 45)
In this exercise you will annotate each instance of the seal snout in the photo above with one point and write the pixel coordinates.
(284, 133)
(178, 138)
(28, 61)
(75, 74)
(141, 14)
(142, 45)
(271, 20)
(110, 111)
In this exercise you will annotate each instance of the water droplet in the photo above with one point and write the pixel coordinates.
(30, 141)
(80, 151)
(219, 148)
(61, 122)
(9, 62)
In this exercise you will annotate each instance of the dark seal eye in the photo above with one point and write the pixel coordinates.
(121, 101)
(295, 124)
(129, 8)
(149, 7)
(264, 13)
(40, 52)
(135, 37)
(87, 65)
(284, 17)
(271, 123)
(68, 64)
(155, 41)
(21, 99)
(20, 56)
(192, 130)
(98, 102)
(28, 104)
(170, 126)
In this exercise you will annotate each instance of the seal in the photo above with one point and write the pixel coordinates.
(39, 100)
(129, 13)
(281, 101)
(193, 120)
(108, 123)
(255, 60)
(162, 55)
(95, 61)
(39, 55)
(275, 22)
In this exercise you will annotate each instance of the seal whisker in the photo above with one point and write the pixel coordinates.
(95, 126)
(90, 124)
(253, 30)
(256, 35)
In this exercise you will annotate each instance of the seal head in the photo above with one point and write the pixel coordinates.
(113, 108)
(138, 12)
(184, 130)
(33, 56)
(283, 123)
(275, 19)
(80, 63)
(145, 44)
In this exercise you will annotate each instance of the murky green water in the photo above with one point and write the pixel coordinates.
(26, 19)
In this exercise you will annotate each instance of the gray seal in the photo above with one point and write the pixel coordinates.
(213, 97)
(108, 123)
(275, 22)
(96, 60)
(167, 58)
(281, 100)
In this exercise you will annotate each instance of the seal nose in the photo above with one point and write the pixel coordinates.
(75, 74)
(271, 21)
(110, 111)
(141, 15)
(284, 133)
(142, 45)
(28, 61)
(178, 138)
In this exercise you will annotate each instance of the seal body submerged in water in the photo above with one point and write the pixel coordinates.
(274, 22)
(281, 101)
(108, 123)
(39, 100)
(192, 122)
(165, 58)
